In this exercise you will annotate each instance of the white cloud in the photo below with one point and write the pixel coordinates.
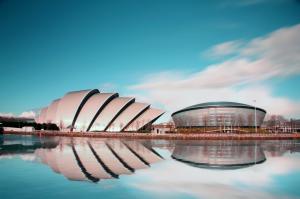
(238, 79)
(6, 114)
(251, 182)
(107, 87)
(26, 114)
(223, 49)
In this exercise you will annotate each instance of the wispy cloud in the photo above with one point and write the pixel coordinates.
(107, 87)
(6, 114)
(263, 58)
(26, 114)
(224, 49)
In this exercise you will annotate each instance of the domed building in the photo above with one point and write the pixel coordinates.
(91, 110)
(215, 114)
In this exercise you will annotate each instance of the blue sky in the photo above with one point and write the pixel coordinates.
(48, 48)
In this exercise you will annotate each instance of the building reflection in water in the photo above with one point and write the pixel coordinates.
(220, 154)
(83, 159)
(94, 160)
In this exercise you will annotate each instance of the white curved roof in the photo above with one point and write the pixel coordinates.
(43, 115)
(127, 116)
(146, 117)
(90, 109)
(109, 112)
(68, 106)
(51, 111)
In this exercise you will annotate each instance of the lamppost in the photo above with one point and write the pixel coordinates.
(255, 116)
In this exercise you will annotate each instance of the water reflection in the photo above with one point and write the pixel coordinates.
(148, 168)
(219, 154)
(83, 159)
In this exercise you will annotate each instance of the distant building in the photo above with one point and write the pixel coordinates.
(24, 129)
(163, 128)
(16, 123)
(219, 114)
(278, 124)
(91, 110)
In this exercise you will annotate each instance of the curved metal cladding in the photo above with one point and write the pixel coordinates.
(69, 107)
(93, 106)
(94, 160)
(110, 112)
(51, 111)
(219, 114)
(43, 115)
(147, 117)
(90, 110)
(127, 116)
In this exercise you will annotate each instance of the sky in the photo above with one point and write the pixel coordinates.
(169, 53)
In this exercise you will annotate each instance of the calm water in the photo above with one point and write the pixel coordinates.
(32, 167)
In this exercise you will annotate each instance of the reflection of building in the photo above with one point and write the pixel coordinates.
(90, 110)
(277, 148)
(96, 159)
(214, 114)
(219, 155)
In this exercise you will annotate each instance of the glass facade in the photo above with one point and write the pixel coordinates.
(219, 116)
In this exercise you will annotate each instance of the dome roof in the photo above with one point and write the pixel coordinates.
(221, 104)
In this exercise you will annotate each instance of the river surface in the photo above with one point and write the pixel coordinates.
(60, 167)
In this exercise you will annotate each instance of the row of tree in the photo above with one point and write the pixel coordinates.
(25, 122)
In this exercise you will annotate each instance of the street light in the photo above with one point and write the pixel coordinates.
(255, 116)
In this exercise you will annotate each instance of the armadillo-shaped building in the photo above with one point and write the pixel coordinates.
(92, 110)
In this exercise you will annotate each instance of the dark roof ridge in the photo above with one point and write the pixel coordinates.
(218, 104)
